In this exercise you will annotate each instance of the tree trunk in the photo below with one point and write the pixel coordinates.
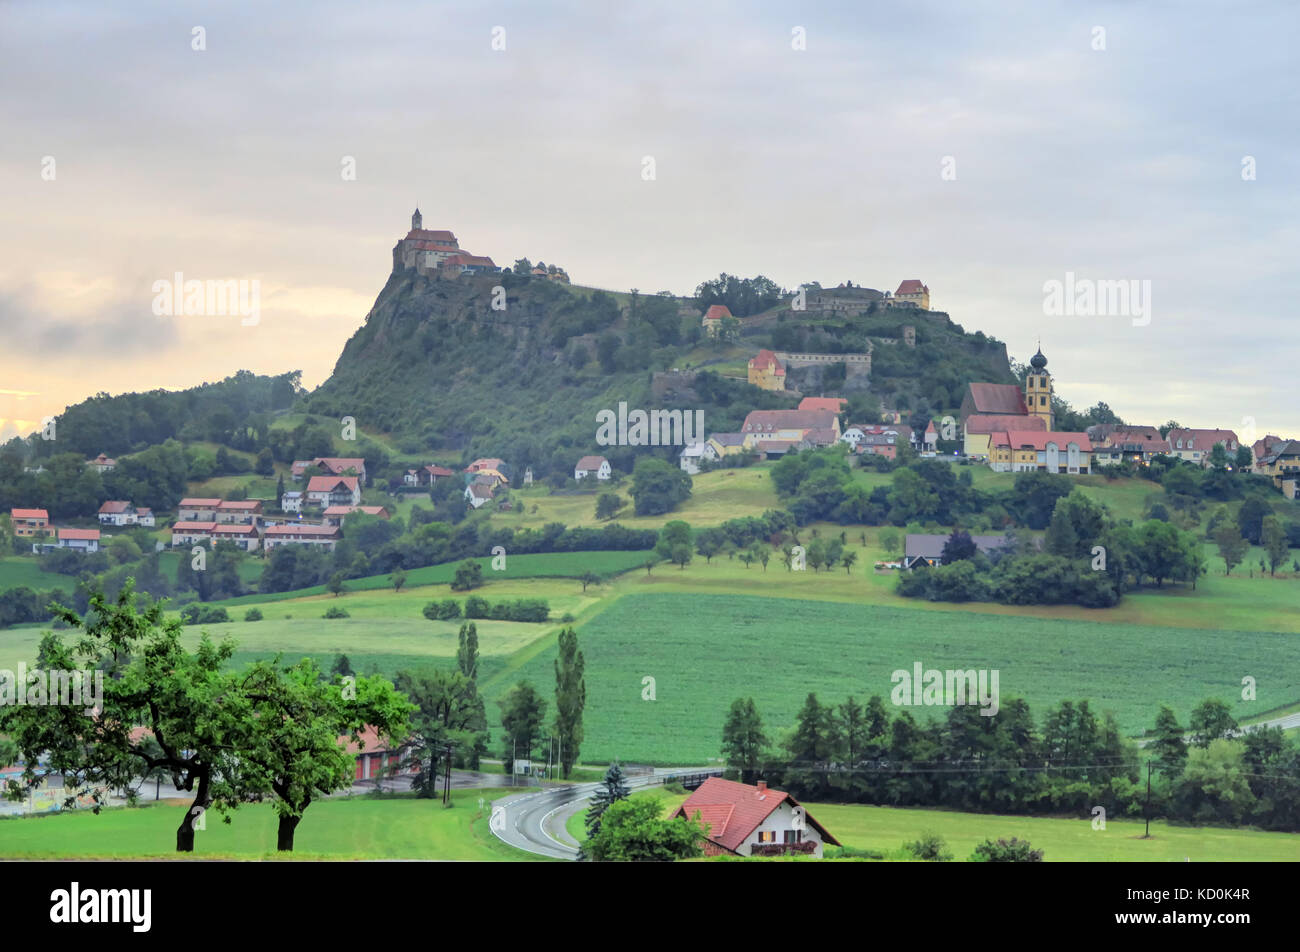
(185, 832)
(284, 833)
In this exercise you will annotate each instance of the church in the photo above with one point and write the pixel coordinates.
(990, 408)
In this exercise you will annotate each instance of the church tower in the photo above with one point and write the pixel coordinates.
(1038, 389)
(416, 221)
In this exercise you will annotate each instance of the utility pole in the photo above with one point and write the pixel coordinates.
(512, 761)
(1147, 835)
(446, 784)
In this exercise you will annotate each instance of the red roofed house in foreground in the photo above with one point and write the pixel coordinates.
(746, 820)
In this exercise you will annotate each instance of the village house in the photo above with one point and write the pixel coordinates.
(1041, 451)
(82, 540)
(197, 509)
(713, 318)
(885, 434)
(484, 463)
(101, 463)
(1282, 464)
(596, 466)
(330, 466)
(325, 491)
(190, 533)
(1264, 447)
(1196, 445)
(980, 427)
(243, 535)
(30, 522)
(374, 754)
(726, 444)
(300, 534)
(929, 442)
(116, 512)
(692, 455)
(426, 475)
(1123, 446)
(766, 371)
(240, 511)
(291, 501)
(834, 404)
(477, 494)
(920, 550)
(752, 820)
(913, 291)
(1100, 433)
(144, 516)
(334, 515)
(788, 426)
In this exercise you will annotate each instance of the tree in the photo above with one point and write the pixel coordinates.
(960, 547)
(658, 486)
(1215, 787)
(570, 698)
(187, 701)
(342, 666)
(710, 542)
(449, 718)
(890, 540)
(743, 740)
(632, 831)
(765, 556)
(467, 651)
(608, 505)
(1232, 547)
(398, 579)
(1244, 459)
(469, 575)
(1211, 720)
(681, 555)
(523, 711)
(1250, 519)
(1273, 538)
(590, 578)
(1006, 851)
(848, 560)
(612, 790)
(295, 721)
(265, 464)
(335, 585)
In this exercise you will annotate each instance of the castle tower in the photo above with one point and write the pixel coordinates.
(417, 222)
(1038, 389)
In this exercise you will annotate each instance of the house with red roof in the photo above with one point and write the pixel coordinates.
(246, 512)
(435, 252)
(1196, 445)
(767, 372)
(753, 820)
(325, 491)
(1044, 451)
(912, 291)
(101, 463)
(980, 426)
(834, 404)
(116, 512)
(334, 515)
(787, 426)
(29, 522)
(83, 540)
(484, 462)
(714, 317)
(1004, 399)
(300, 533)
(197, 509)
(193, 532)
(244, 535)
(426, 475)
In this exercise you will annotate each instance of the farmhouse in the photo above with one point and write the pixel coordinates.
(787, 426)
(30, 522)
(1042, 451)
(325, 491)
(927, 550)
(476, 494)
(745, 820)
(116, 512)
(300, 534)
(102, 464)
(727, 444)
(197, 510)
(83, 540)
(596, 466)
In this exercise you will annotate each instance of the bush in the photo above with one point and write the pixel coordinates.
(476, 607)
(336, 612)
(253, 614)
(196, 614)
(930, 847)
(850, 852)
(469, 574)
(445, 610)
(1006, 851)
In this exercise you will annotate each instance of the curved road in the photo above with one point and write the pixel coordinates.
(534, 822)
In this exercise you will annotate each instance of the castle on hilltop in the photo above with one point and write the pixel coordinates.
(436, 253)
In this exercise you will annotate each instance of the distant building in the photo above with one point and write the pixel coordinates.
(834, 404)
(30, 522)
(334, 515)
(927, 550)
(596, 466)
(116, 512)
(326, 491)
(82, 540)
(766, 372)
(713, 318)
(197, 509)
(1196, 445)
(240, 511)
(102, 463)
(691, 456)
(745, 820)
(726, 444)
(191, 533)
(786, 426)
(1040, 451)
(291, 501)
(300, 534)
(244, 535)
(435, 252)
(913, 291)
(478, 494)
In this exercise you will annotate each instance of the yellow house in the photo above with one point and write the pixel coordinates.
(788, 426)
(727, 444)
(915, 292)
(766, 371)
(1046, 451)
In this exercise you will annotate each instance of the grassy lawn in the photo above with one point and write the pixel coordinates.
(18, 570)
(705, 650)
(337, 828)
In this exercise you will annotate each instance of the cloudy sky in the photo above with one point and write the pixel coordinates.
(984, 148)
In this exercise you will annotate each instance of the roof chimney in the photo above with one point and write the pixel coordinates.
(762, 786)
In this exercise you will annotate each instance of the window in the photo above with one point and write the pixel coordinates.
(794, 836)
(767, 836)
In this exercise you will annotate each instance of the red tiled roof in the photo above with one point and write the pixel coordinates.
(735, 810)
(834, 404)
(1023, 439)
(765, 358)
(1133, 434)
(242, 530)
(767, 421)
(591, 462)
(29, 514)
(326, 484)
(198, 504)
(194, 526)
(241, 505)
(1000, 423)
(114, 506)
(438, 471)
(1201, 439)
(78, 533)
(341, 464)
(484, 462)
(911, 286)
(997, 398)
(301, 528)
(429, 234)
(348, 510)
(717, 312)
(481, 261)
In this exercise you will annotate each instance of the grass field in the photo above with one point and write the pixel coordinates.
(337, 828)
(886, 829)
(23, 570)
(705, 650)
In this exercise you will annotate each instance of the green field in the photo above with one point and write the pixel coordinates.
(886, 829)
(349, 828)
(25, 570)
(705, 650)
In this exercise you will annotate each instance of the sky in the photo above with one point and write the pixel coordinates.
(988, 149)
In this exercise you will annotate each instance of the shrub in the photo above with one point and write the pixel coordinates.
(476, 607)
(335, 611)
(930, 847)
(1006, 851)
(469, 574)
(253, 614)
(444, 610)
(196, 614)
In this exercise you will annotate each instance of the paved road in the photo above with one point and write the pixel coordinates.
(535, 821)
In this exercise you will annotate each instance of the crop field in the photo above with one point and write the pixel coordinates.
(349, 828)
(703, 651)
